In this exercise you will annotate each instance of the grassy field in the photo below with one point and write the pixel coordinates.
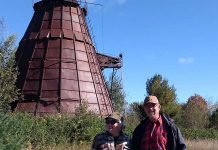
(62, 147)
(202, 144)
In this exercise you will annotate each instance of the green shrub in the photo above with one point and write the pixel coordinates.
(131, 121)
(13, 131)
(20, 130)
(85, 125)
(199, 133)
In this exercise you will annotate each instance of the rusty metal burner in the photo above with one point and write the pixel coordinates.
(58, 65)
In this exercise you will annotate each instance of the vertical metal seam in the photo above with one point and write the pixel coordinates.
(74, 39)
(45, 43)
(60, 61)
(41, 63)
(91, 56)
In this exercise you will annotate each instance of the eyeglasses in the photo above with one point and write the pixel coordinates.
(150, 105)
(111, 121)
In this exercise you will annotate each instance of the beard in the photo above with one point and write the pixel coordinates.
(153, 116)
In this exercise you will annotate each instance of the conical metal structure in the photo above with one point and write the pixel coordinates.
(58, 64)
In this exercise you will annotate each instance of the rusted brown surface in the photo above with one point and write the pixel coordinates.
(106, 61)
(59, 69)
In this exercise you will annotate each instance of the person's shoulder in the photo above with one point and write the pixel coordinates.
(140, 126)
(169, 121)
(167, 118)
(98, 139)
(101, 135)
(142, 123)
(126, 136)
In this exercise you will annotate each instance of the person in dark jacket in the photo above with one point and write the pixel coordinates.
(157, 131)
(113, 138)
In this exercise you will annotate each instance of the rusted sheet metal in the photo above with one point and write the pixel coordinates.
(59, 69)
(106, 61)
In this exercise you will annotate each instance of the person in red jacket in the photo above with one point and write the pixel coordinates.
(157, 131)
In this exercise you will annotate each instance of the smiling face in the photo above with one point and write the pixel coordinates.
(152, 111)
(113, 126)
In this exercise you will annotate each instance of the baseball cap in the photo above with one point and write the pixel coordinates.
(151, 99)
(114, 115)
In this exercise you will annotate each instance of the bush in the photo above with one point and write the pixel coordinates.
(85, 125)
(21, 130)
(14, 131)
(214, 119)
(199, 133)
(131, 121)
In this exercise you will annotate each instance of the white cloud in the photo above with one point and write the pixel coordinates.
(188, 60)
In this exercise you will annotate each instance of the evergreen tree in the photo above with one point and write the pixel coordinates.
(116, 92)
(8, 73)
(138, 109)
(166, 95)
(214, 119)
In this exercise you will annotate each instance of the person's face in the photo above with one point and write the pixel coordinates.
(113, 126)
(152, 111)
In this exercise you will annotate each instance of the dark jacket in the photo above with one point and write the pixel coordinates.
(175, 140)
(106, 138)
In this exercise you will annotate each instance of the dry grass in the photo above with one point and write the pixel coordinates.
(202, 144)
(69, 147)
(66, 146)
(191, 145)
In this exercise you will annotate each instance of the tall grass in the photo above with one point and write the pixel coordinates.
(202, 144)
(64, 146)
(191, 145)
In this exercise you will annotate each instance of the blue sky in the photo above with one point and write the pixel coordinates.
(175, 38)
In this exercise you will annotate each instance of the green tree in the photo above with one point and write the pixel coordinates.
(166, 95)
(196, 112)
(138, 109)
(214, 119)
(8, 73)
(116, 92)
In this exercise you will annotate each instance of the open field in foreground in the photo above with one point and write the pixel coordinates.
(202, 144)
(191, 145)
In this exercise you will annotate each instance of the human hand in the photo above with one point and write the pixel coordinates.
(119, 147)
